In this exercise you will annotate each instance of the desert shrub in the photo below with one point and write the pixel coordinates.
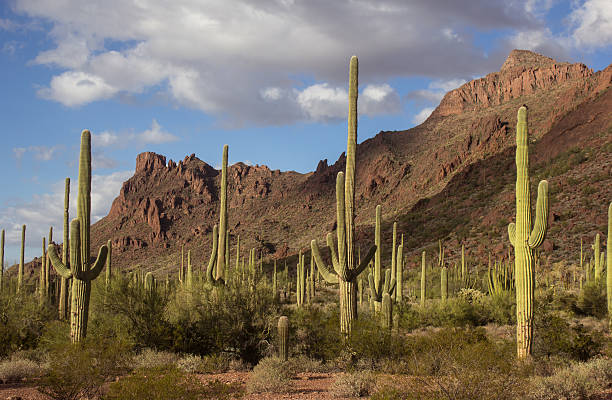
(141, 313)
(592, 300)
(302, 363)
(270, 375)
(17, 369)
(22, 321)
(389, 393)
(555, 336)
(315, 333)
(578, 381)
(369, 344)
(149, 358)
(353, 384)
(158, 383)
(78, 371)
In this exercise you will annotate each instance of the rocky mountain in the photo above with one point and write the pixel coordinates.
(449, 178)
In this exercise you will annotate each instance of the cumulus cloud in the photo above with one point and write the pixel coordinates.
(154, 135)
(435, 91)
(422, 115)
(592, 23)
(44, 210)
(238, 59)
(541, 41)
(39, 153)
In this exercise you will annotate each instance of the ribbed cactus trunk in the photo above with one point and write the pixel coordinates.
(423, 279)
(283, 338)
(21, 259)
(463, 265)
(387, 311)
(63, 296)
(608, 266)
(80, 269)
(400, 272)
(189, 277)
(393, 260)
(344, 264)
(598, 258)
(377, 261)
(222, 219)
(444, 284)
(523, 240)
(108, 272)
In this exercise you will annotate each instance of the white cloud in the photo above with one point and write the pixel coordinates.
(224, 57)
(40, 153)
(592, 23)
(322, 102)
(435, 92)
(75, 88)
(154, 135)
(541, 41)
(422, 115)
(45, 210)
(379, 100)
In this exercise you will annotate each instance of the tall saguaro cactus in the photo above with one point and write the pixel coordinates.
(219, 244)
(1, 259)
(283, 338)
(344, 265)
(423, 279)
(63, 300)
(524, 240)
(80, 269)
(598, 259)
(20, 271)
(380, 286)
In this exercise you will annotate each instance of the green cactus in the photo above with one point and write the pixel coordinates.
(344, 266)
(463, 265)
(598, 258)
(608, 266)
(399, 280)
(387, 311)
(423, 279)
(393, 259)
(300, 291)
(221, 244)
(80, 268)
(378, 286)
(21, 259)
(526, 242)
(149, 281)
(63, 297)
(43, 267)
(444, 284)
(181, 275)
(283, 338)
(189, 277)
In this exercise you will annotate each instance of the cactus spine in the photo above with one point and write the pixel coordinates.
(608, 266)
(80, 269)
(283, 338)
(20, 271)
(344, 266)
(423, 282)
(526, 242)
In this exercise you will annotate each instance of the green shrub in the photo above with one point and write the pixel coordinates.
(78, 371)
(149, 358)
(353, 384)
(314, 333)
(158, 383)
(578, 381)
(18, 369)
(270, 375)
(592, 300)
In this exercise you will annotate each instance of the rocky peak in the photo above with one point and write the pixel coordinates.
(148, 162)
(526, 59)
(523, 73)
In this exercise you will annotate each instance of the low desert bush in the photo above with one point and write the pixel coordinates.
(577, 381)
(17, 369)
(592, 300)
(270, 375)
(353, 384)
(157, 383)
(149, 358)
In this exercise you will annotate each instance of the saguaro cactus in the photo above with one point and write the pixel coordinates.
(283, 338)
(523, 240)
(608, 265)
(444, 284)
(20, 271)
(149, 281)
(378, 285)
(63, 300)
(399, 280)
(108, 272)
(344, 266)
(1, 259)
(598, 258)
(80, 268)
(219, 245)
(423, 279)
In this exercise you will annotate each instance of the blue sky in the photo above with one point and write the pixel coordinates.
(267, 77)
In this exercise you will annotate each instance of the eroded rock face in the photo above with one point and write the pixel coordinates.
(523, 73)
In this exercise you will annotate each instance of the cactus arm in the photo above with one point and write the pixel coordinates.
(536, 237)
(98, 265)
(322, 267)
(335, 263)
(511, 232)
(213, 254)
(59, 266)
(364, 263)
